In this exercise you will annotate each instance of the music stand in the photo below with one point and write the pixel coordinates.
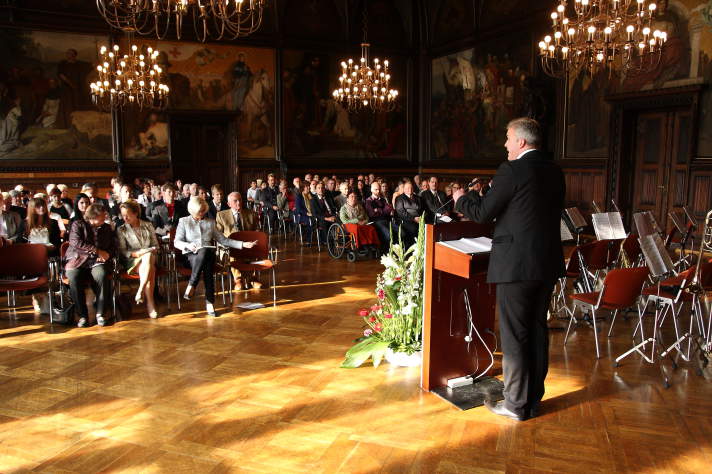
(575, 221)
(608, 226)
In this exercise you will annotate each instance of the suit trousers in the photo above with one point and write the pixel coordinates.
(525, 341)
(203, 262)
(98, 277)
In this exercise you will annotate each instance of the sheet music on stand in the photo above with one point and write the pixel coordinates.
(576, 218)
(678, 222)
(566, 234)
(656, 256)
(645, 223)
(608, 226)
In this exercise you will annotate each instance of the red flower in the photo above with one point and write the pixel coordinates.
(372, 319)
(388, 316)
(378, 327)
(375, 308)
(363, 312)
(381, 294)
(397, 278)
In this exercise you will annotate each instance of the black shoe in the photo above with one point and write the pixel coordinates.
(498, 408)
(534, 411)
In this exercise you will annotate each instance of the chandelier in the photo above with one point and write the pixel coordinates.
(595, 35)
(362, 86)
(218, 19)
(134, 79)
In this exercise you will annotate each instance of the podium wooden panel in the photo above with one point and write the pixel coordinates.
(447, 273)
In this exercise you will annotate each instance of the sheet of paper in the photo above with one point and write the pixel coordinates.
(565, 232)
(250, 305)
(469, 245)
(656, 255)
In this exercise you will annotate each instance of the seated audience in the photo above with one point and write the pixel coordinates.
(146, 196)
(340, 198)
(285, 201)
(195, 236)
(40, 228)
(166, 212)
(409, 210)
(297, 189)
(380, 212)
(92, 245)
(236, 219)
(138, 246)
(434, 201)
(17, 204)
(217, 203)
(80, 206)
(65, 194)
(354, 218)
(268, 198)
(303, 209)
(324, 210)
(89, 189)
(252, 193)
(57, 207)
(11, 224)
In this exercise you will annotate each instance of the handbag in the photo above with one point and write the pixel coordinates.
(63, 315)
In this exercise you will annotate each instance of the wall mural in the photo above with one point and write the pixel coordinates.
(146, 135)
(476, 92)
(216, 77)
(45, 105)
(317, 126)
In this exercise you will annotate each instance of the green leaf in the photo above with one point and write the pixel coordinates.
(378, 352)
(361, 352)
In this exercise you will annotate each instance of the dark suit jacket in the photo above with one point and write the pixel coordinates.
(213, 210)
(14, 225)
(431, 205)
(268, 196)
(526, 199)
(407, 209)
(83, 243)
(319, 208)
(20, 211)
(159, 213)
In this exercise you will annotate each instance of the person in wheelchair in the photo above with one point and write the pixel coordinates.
(355, 220)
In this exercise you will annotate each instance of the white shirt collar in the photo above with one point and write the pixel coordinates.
(524, 153)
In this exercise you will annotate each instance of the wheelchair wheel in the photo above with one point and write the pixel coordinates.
(351, 256)
(336, 240)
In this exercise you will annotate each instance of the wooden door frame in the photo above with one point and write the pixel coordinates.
(625, 108)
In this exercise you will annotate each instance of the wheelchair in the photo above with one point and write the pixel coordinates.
(340, 241)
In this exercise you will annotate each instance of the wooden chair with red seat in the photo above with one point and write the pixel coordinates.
(257, 259)
(621, 289)
(29, 261)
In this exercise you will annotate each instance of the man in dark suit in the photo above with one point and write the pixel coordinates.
(164, 213)
(268, 198)
(324, 209)
(525, 201)
(434, 201)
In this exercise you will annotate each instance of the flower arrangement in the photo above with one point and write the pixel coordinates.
(395, 321)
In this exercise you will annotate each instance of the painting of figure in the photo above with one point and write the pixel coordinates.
(316, 125)
(45, 103)
(476, 92)
(146, 135)
(227, 78)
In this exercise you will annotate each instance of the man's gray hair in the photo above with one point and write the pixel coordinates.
(527, 129)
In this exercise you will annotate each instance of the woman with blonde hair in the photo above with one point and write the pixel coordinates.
(137, 252)
(195, 237)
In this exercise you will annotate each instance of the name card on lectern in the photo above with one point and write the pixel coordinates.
(469, 246)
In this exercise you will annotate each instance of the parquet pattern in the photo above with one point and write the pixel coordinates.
(261, 391)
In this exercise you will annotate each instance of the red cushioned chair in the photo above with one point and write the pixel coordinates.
(621, 289)
(257, 259)
(29, 261)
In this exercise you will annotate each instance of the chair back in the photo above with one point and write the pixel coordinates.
(259, 251)
(595, 254)
(631, 247)
(623, 285)
(28, 260)
(63, 249)
(573, 265)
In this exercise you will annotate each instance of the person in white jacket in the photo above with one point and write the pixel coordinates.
(195, 237)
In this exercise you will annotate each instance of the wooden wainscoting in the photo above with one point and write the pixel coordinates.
(700, 197)
(585, 185)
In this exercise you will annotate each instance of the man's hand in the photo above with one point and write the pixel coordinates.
(330, 219)
(275, 207)
(417, 220)
(249, 245)
(102, 254)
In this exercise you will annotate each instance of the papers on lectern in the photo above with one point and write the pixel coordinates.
(469, 245)
(608, 226)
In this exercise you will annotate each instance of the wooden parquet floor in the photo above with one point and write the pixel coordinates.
(261, 391)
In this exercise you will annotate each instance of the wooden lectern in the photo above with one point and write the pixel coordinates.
(446, 353)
